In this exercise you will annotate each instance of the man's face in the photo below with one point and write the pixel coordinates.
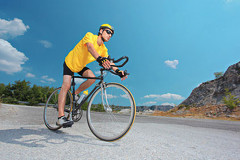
(107, 34)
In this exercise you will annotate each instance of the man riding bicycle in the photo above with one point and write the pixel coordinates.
(89, 49)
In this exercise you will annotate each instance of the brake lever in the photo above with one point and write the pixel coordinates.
(125, 73)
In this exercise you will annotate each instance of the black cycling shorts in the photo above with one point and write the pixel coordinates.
(67, 71)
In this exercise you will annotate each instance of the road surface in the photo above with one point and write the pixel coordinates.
(23, 135)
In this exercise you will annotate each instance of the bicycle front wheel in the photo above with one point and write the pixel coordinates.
(50, 114)
(111, 112)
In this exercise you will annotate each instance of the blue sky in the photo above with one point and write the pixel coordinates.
(173, 46)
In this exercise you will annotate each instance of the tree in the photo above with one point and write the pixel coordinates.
(21, 90)
(35, 95)
(46, 91)
(2, 89)
(8, 91)
(218, 74)
(45, 95)
(7, 95)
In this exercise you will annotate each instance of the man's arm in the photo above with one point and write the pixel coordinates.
(107, 63)
(115, 69)
(95, 54)
(92, 50)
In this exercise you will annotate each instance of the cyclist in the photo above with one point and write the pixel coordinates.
(89, 49)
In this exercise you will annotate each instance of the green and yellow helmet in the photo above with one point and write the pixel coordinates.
(104, 26)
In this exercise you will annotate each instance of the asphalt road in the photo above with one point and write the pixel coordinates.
(23, 135)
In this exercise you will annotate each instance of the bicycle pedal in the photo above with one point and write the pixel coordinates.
(67, 125)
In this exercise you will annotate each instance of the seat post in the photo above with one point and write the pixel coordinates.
(73, 93)
(73, 85)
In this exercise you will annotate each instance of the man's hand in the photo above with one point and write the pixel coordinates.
(121, 74)
(103, 61)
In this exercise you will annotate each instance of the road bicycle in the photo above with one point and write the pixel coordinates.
(111, 108)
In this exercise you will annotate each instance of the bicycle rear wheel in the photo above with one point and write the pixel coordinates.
(111, 112)
(50, 114)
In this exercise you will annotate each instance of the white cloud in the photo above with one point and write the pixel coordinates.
(98, 73)
(46, 79)
(124, 96)
(13, 28)
(30, 75)
(42, 81)
(150, 103)
(168, 104)
(10, 58)
(46, 44)
(79, 80)
(110, 96)
(168, 96)
(173, 64)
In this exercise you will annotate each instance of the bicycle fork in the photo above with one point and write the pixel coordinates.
(106, 106)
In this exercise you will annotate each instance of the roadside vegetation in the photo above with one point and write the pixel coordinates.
(21, 92)
(230, 101)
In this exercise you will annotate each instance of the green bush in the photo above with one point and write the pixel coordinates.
(218, 74)
(10, 100)
(188, 107)
(94, 107)
(22, 91)
(84, 106)
(97, 107)
(181, 106)
(229, 100)
(100, 107)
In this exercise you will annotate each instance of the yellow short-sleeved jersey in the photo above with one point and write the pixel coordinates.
(79, 57)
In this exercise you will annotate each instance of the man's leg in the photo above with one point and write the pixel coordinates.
(62, 95)
(87, 83)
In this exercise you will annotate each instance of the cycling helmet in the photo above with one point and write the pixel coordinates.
(104, 26)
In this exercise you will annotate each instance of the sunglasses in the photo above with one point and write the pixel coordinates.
(109, 32)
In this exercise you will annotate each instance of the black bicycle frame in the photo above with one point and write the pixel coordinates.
(86, 98)
(98, 78)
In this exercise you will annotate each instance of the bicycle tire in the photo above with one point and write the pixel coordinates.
(50, 113)
(111, 124)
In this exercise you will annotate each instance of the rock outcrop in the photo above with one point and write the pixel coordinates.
(212, 92)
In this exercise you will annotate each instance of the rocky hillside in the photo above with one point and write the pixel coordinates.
(212, 92)
(220, 112)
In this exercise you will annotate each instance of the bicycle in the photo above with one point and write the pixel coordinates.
(110, 112)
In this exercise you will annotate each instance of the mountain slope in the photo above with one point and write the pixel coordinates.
(212, 92)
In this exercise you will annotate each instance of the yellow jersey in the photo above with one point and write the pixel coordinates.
(79, 57)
